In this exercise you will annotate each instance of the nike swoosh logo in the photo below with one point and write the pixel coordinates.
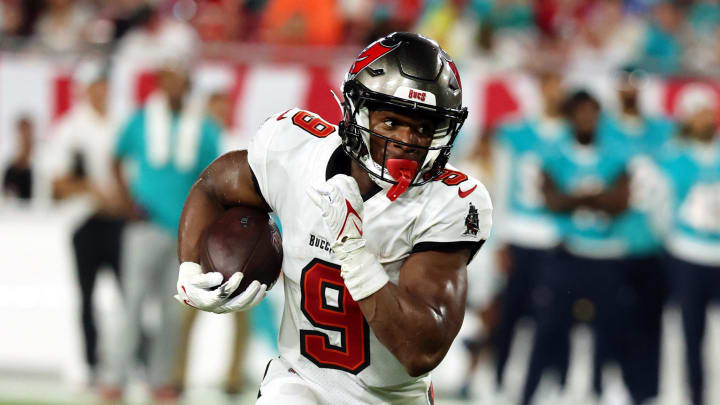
(464, 194)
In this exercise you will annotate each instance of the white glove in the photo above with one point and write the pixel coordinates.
(207, 292)
(341, 205)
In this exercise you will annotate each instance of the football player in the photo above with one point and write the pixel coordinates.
(586, 184)
(691, 172)
(643, 137)
(378, 231)
(529, 229)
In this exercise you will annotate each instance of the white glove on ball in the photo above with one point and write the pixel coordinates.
(207, 292)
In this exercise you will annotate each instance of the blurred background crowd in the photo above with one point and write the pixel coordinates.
(668, 37)
(592, 122)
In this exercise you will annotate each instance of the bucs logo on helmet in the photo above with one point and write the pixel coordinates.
(370, 54)
(409, 74)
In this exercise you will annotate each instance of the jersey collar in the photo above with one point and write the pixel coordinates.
(339, 163)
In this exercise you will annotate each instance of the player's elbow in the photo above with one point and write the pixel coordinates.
(422, 364)
(418, 370)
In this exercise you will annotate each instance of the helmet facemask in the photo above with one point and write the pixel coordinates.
(410, 75)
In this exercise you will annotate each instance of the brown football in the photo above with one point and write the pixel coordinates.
(243, 239)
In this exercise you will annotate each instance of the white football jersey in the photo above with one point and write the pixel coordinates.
(323, 335)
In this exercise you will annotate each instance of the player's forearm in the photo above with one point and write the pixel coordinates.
(418, 334)
(563, 203)
(555, 199)
(200, 210)
(614, 200)
(608, 203)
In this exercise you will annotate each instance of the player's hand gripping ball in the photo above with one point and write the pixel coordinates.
(241, 258)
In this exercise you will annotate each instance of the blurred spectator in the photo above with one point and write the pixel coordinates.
(155, 37)
(526, 227)
(560, 18)
(702, 39)
(548, 51)
(18, 21)
(123, 16)
(82, 150)
(443, 20)
(662, 50)
(389, 16)
(312, 22)
(438, 19)
(61, 25)
(704, 16)
(642, 138)
(11, 18)
(223, 20)
(606, 40)
(505, 14)
(359, 19)
(18, 178)
(692, 170)
(219, 108)
(587, 186)
(169, 142)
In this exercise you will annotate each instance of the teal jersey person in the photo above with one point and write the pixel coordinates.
(638, 134)
(641, 139)
(693, 175)
(163, 148)
(523, 146)
(584, 170)
(527, 231)
(163, 170)
(693, 243)
(586, 185)
(692, 171)
(662, 50)
(691, 167)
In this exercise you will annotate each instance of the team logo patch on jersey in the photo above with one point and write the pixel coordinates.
(472, 224)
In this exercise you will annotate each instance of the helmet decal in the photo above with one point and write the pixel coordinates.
(410, 94)
(455, 72)
(369, 55)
